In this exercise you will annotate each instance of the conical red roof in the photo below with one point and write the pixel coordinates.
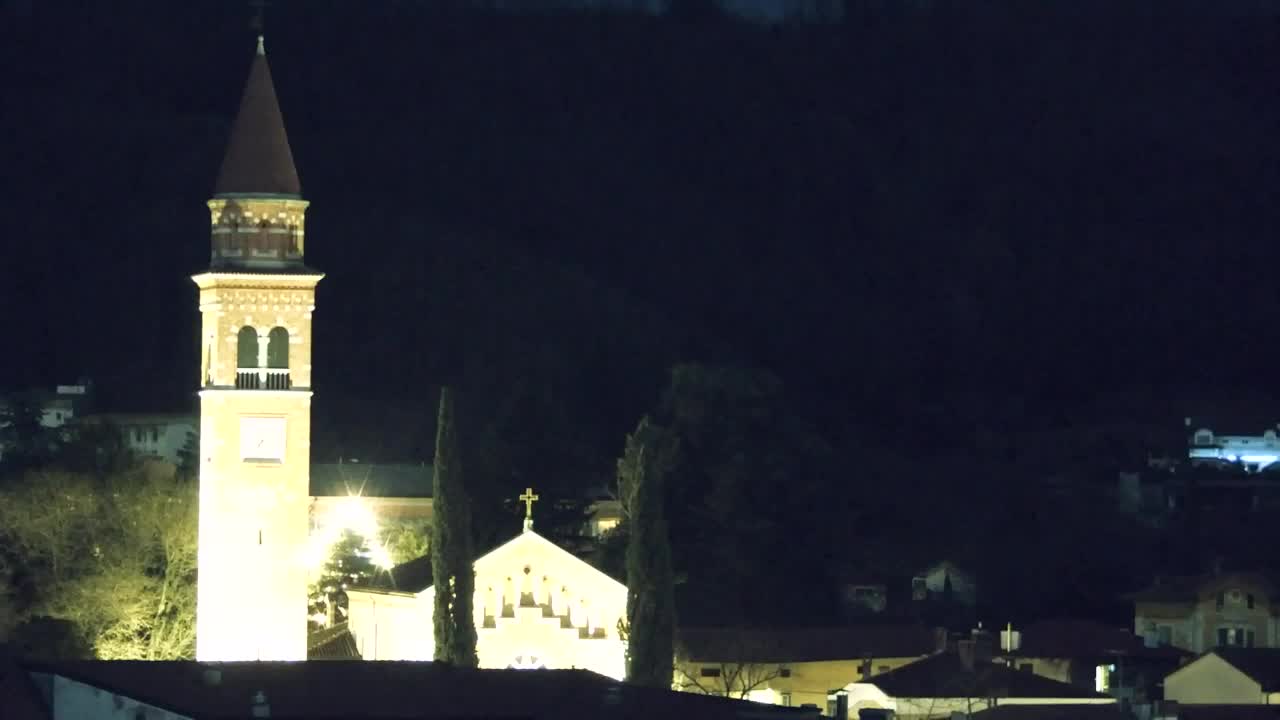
(258, 159)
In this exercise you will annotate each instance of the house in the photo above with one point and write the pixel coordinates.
(57, 409)
(1252, 447)
(535, 606)
(181, 690)
(1090, 655)
(960, 681)
(1231, 675)
(945, 580)
(152, 435)
(795, 666)
(1197, 613)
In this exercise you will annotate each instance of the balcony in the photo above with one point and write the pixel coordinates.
(263, 379)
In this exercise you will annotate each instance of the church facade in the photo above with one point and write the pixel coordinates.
(536, 606)
(256, 301)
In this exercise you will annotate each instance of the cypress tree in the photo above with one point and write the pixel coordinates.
(452, 566)
(650, 594)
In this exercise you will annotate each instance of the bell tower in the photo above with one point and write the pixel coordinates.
(256, 301)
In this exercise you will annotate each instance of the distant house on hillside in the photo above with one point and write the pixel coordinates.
(1199, 613)
(152, 435)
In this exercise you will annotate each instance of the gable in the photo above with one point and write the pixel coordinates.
(529, 548)
(1209, 679)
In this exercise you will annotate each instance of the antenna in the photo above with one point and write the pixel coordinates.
(257, 21)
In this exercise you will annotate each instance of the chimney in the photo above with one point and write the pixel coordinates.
(966, 649)
(260, 708)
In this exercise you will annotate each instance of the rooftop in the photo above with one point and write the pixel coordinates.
(945, 675)
(422, 690)
(1262, 665)
(258, 160)
(856, 642)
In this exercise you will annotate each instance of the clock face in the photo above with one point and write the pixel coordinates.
(262, 439)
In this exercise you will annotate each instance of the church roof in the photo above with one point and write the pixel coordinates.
(258, 159)
(415, 575)
(373, 690)
(371, 480)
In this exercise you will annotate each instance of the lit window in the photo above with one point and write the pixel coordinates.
(785, 699)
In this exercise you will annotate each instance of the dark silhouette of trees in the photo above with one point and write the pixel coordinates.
(452, 557)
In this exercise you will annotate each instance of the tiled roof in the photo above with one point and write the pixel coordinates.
(335, 643)
(1260, 664)
(258, 159)
(1189, 588)
(1087, 639)
(413, 576)
(1228, 712)
(944, 675)
(371, 480)
(400, 690)
(855, 642)
(1110, 711)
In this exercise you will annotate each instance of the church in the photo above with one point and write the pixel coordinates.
(536, 605)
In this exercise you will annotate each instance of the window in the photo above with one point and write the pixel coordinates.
(278, 348)
(710, 672)
(1235, 637)
(247, 348)
(137, 434)
(785, 699)
(1164, 635)
(1222, 600)
(1025, 667)
(1249, 600)
(155, 434)
(784, 672)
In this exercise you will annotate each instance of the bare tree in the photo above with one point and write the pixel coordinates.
(116, 558)
(729, 679)
(736, 673)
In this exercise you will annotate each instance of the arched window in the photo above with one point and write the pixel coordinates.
(278, 348)
(247, 348)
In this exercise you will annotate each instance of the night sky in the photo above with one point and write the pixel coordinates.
(927, 217)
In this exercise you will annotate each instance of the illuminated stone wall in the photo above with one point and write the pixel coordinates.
(252, 592)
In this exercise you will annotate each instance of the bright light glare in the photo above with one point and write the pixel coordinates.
(352, 513)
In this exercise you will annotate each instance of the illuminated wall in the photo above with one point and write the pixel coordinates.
(254, 469)
(536, 606)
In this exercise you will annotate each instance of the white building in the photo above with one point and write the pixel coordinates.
(152, 435)
(535, 606)
(1252, 452)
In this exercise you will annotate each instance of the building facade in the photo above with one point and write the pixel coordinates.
(1200, 613)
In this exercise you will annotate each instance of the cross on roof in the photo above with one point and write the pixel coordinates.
(528, 498)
